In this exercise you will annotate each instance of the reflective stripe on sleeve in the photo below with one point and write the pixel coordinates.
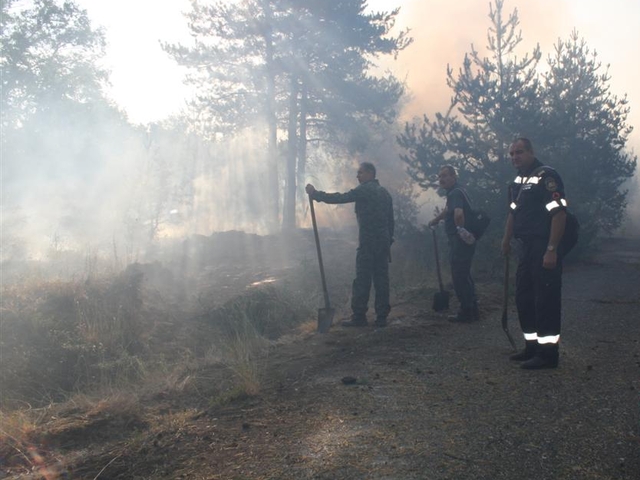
(530, 336)
(555, 204)
(518, 179)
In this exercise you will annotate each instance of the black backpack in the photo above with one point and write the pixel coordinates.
(571, 227)
(571, 233)
(476, 221)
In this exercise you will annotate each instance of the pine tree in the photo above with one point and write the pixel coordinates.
(585, 136)
(575, 123)
(494, 99)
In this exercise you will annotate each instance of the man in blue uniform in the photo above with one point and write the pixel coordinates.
(536, 219)
(374, 212)
(461, 244)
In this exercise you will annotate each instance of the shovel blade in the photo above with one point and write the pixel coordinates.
(441, 301)
(325, 319)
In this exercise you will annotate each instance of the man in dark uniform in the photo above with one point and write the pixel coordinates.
(374, 212)
(460, 251)
(537, 217)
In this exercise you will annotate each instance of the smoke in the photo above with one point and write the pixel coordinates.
(445, 31)
(104, 186)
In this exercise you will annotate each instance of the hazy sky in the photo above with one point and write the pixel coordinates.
(147, 84)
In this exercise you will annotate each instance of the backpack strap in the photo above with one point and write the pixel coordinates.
(465, 195)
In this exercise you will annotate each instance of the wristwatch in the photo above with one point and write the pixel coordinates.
(551, 248)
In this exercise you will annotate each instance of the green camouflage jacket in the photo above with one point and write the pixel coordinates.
(374, 211)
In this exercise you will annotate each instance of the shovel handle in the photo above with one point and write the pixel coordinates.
(506, 283)
(435, 249)
(315, 233)
(505, 304)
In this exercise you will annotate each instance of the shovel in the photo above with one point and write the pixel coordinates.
(441, 298)
(505, 303)
(325, 315)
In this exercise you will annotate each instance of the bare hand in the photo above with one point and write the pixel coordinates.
(550, 260)
(310, 189)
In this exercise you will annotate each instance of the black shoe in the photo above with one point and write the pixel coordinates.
(355, 323)
(380, 322)
(539, 362)
(527, 354)
(546, 357)
(463, 316)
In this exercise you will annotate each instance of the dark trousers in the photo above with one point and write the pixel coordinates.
(460, 258)
(372, 265)
(538, 290)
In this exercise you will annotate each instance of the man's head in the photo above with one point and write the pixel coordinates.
(521, 153)
(447, 176)
(366, 172)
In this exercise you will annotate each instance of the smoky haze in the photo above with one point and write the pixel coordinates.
(444, 31)
(113, 187)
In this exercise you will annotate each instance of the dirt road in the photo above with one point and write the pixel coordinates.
(431, 400)
(427, 400)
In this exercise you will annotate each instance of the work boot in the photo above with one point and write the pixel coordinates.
(546, 357)
(464, 315)
(527, 354)
(356, 321)
(380, 322)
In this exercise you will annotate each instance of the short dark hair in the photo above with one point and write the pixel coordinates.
(369, 167)
(528, 146)
(450, 169)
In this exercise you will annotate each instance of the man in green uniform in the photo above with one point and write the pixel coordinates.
(374, 212)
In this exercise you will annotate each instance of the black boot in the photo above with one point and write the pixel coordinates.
(380, 322)
(527, 354)
(546, 357)
(356, 321)
(464, 315)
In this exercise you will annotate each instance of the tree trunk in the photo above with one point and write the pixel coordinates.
(272, 142)
(302, 146)
(289, 210)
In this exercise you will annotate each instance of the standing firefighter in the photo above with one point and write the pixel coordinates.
(537, 217)
(462, 245)
(374, 211)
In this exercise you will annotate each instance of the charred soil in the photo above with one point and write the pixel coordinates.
(422, 398)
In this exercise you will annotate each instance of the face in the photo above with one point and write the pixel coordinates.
(446, 178)
(364, 175)
(521, 158)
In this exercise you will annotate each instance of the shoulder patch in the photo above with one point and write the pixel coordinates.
(551, 184)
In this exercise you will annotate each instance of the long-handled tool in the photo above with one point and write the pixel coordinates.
(441, 298)
(505, 303)
(325, 315)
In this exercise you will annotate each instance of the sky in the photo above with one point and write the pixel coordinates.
(147, 84)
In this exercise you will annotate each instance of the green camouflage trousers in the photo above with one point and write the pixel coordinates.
(372, 265)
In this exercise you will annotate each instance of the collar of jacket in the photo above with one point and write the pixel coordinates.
(453, 187)
(525, 173)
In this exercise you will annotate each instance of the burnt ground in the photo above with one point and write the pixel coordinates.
(428, 400)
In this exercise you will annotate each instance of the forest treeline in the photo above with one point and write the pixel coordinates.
(286, 91)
